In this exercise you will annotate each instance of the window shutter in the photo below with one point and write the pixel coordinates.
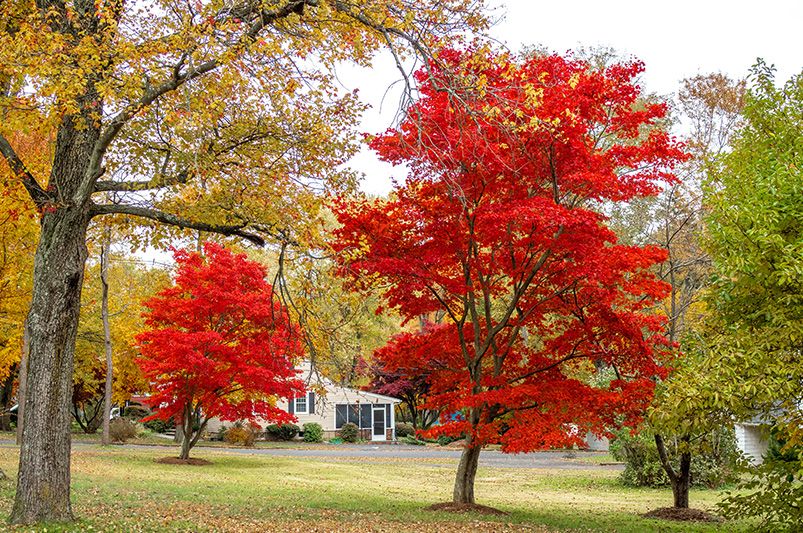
(291, 405)
(388, 407)
(311, 403)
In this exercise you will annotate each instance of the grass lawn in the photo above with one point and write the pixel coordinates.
(120, 489)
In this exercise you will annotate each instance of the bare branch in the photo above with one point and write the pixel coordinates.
(144, 185)
(173, 220)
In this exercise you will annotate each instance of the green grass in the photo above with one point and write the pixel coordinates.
(119, 489)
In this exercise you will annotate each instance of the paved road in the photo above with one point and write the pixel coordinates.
(392, 453)
(487, 458)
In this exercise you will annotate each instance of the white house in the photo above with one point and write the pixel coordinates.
(373, 413)
(752, 439)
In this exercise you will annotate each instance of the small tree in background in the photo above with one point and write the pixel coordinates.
(394, 372)
(218, 345)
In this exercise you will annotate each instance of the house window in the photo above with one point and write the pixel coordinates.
(301, 405)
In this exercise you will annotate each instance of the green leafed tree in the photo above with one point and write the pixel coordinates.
(755, 228)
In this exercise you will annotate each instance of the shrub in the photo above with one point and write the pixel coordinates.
(403, 429)
(445, 440)
(313, 432)
(714, 463)
(350, 432)
(136, 412)
(159, 426)
(243, 435)
(122, 429)
(281, 432)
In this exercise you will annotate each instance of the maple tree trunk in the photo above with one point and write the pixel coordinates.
(43, 482)
(43, 479)
(107, 336)
(186, 433)
(466, 473)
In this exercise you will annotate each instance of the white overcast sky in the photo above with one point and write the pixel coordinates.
(675, 39)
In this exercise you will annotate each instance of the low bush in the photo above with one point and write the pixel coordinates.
(136, 412)
(349, 432)
(445, 440)
(159, 426)
(281, 432)
(714, 463)
(403, 429)
(122, 429)
(242, 435)
(313, 432)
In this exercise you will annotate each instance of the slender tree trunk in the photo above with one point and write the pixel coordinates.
(186, 440)
(43, 483)
(26, 342)
(681, 479)
(7, 398)
(681, 484)
(107, 335)
(466, 473)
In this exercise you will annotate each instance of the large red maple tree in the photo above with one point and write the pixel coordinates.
(218, 344)
(500, 225)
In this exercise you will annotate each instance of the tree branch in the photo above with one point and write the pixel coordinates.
(173, 220)
(39, 196)
(134, 186)
(261, 19)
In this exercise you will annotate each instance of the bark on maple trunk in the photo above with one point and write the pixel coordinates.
(43, 482)
(466, 473)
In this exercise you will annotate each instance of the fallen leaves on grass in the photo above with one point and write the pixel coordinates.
(194, 461)
(682, 515)
(451, 507)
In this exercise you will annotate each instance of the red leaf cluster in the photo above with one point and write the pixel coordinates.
(218, 341)
(500, 225)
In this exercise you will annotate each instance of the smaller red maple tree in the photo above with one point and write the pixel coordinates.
(218, 345)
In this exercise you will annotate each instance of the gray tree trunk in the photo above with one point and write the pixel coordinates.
(107, 335)
(43, 481)
(466, 473)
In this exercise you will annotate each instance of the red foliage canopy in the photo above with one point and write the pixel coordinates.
(500, 226)
(218, 342)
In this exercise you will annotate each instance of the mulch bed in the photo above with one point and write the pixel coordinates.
(450, 507)
(176, 461)
(684, 515)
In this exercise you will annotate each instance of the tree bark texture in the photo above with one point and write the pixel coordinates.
(43, 482)
(466, 473)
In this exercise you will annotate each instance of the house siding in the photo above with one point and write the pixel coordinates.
(324, 404)
(752, 441)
